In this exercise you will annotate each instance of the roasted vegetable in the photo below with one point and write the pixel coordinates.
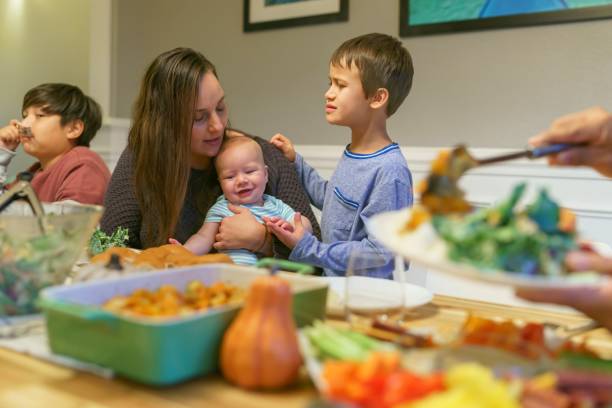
(168, 301)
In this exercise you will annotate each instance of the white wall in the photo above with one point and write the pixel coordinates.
(491, 88)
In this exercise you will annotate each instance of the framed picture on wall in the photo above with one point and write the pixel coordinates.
(269, 14)
(419, 17)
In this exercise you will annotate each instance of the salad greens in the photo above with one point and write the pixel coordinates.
(29, 265)
(529, 241)
(100, 241)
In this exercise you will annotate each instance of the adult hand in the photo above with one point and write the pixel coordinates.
(592, 127)
(588, 261)
(593, 301)
(289, 237)
(284, 144)
(240, 231)
(9, 135)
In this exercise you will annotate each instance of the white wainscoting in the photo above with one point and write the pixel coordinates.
(581, 190)
(111, 140)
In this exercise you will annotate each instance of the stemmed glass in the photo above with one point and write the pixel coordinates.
(369, 297)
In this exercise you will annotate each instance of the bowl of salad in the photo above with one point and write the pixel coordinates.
(39, 251)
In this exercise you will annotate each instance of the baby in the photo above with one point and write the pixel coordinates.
(243, 176)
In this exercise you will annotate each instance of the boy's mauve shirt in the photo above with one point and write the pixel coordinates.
(80, 175)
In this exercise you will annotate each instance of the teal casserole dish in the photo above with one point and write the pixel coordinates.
(153, 351)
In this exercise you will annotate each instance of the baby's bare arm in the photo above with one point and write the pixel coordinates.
(201, 242)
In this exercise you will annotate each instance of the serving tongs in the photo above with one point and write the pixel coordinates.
(441, 193)
(22, 190)
(461, 160)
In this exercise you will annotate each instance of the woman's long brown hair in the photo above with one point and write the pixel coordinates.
(160, 139)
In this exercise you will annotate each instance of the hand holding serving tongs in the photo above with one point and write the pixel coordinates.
(461, 160)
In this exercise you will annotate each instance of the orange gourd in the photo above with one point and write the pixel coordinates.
(260, 348)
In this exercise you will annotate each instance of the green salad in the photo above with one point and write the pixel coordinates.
(29, 265)
(531, 240)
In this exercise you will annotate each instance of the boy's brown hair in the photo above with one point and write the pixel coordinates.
(383, 62)
(70, 103)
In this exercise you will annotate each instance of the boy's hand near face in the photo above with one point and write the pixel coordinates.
(9, 136)
(282, 143)
(288, 234)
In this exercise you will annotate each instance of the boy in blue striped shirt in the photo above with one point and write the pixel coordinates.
(370, 76)
(243, 176)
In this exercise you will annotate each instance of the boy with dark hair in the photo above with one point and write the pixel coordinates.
(370, 76)
(59, 122)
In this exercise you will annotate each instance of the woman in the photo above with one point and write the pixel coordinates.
(164, 182)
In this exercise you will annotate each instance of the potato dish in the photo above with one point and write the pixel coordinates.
(168, 301)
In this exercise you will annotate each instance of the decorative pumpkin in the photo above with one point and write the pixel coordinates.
(260, 348)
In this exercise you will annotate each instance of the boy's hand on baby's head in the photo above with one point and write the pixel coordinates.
(282, 143)
(174, 242)
(9, 136)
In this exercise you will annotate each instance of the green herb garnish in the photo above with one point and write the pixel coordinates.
(100, 241)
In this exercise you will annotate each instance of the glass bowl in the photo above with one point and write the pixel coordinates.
(31, 259)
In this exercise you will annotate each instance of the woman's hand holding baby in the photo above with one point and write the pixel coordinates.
(239, 231)
(282, 143)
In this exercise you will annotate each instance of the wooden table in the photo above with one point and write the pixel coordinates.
(27, 382)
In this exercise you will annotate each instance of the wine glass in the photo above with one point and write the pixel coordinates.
(368, 295)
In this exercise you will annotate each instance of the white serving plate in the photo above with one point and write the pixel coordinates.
(424, 247)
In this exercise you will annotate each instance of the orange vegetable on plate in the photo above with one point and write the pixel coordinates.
(379, 382)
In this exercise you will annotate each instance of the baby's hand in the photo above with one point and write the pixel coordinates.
(174, 242)
(282, 143)
(292, 237)
(279, 222)
(9, 136)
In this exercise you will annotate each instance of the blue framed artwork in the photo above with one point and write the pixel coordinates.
(419, 17)
(270, 14)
